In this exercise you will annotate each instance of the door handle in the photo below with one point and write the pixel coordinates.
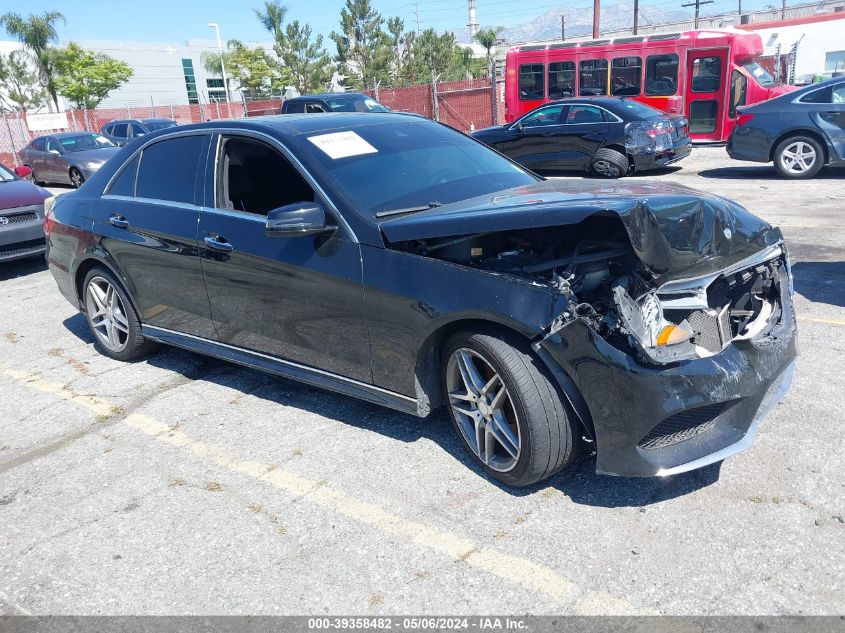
(217, 243)
(119, 221)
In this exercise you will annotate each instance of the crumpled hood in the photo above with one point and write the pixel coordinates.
(676, 232)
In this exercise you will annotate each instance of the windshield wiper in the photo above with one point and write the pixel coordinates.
(430, 205)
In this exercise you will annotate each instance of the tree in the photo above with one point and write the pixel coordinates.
(36, 33)
(487, 38)
(307, 61)
(363, 48)
(272, 18)
(85, 78)
(252, 70)
(20, 89)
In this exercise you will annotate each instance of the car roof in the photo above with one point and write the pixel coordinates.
(66, 134)
(292, 125)
(141, 120)
(329, 95)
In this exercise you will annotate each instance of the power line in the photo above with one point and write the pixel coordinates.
(697, 4)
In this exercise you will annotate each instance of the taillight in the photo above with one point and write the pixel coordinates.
(48, 214)
(742, 118)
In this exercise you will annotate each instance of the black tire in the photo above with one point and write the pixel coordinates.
(135, 344)
(549, 437)
(608, 163)
(76, 178)
(803, 174)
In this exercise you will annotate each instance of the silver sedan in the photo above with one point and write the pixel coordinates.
(67, 158)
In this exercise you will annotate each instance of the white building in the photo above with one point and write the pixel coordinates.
(166, 73)
(820, 38)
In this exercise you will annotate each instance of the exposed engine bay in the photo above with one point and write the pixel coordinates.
(593, 264)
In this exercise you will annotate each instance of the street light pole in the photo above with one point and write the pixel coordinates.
(216, 28)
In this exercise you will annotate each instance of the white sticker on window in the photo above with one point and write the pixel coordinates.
(342, 144)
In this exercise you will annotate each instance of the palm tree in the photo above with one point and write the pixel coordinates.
(487, 38)
(36, 33)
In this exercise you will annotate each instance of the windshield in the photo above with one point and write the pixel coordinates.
(364, 104)
(5, 174)
(84, 141)
(155, 126)
(408, 164)
(761, 76)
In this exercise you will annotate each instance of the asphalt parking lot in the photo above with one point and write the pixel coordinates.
(181, 484)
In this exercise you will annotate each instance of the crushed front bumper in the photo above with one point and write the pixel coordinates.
(650, 420)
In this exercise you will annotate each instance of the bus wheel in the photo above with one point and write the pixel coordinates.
(608, 163)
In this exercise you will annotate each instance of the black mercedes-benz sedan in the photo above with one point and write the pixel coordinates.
(394, 259)
(606, 136)
(800, 132)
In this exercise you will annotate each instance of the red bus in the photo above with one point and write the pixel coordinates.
(702, 74)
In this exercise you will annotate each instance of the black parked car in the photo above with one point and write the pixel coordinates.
(397, 260)
(121, 131)
(608, 136)
(800, 131)
(332, 102)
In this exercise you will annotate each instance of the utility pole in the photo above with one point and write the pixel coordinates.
(562, 27)
(596, 13)
(417, 15)
(783, 10)
(739, 11)
(637, 15)
(697, 4)
(473, 22)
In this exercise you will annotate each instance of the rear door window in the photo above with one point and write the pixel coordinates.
(119, 130)
(124, 184)
(39, 144)
(136, 130)
(294, 107)
(169, 169)
(661, 75)
(580, 114)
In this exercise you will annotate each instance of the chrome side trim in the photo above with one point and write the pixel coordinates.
(156, 201)
(168, 336)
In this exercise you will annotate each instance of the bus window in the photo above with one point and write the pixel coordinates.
(531, 82)
(625, 73)
(706, 74)
(593, 77)
(661, 75)
(739, 87)
(561, 80)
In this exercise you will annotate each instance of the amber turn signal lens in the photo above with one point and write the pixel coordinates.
(672, 334)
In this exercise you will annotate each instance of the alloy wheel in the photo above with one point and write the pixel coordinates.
(106, 314)
(798, 157)
(483, 410)
(76, 178)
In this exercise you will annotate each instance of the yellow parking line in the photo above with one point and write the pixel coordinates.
(524, 572)
(840, 322)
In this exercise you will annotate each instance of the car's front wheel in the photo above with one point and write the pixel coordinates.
(799, 157)
(506, 409)
(608, 163)
(111, 317)
(76, 177)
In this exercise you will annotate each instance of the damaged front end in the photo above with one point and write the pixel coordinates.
(678, 334)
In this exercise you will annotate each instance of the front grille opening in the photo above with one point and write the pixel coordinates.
(17, 218)
(22, 248)
(683, 425)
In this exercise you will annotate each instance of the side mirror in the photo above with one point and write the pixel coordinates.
(297, 220)
(23, 171)
(55, 151)
(518, 126)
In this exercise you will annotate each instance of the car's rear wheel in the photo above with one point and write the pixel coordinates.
(799, 157)
(608, 163)
(506, 409)
(76, 177)
(111, 317)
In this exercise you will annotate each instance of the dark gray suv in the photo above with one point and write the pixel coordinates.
(121, 131)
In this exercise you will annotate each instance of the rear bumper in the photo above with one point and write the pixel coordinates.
(645, 160)
(749, 144)
(652, 420)
(20, 239)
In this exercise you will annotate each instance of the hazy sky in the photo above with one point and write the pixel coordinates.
(169, 21)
